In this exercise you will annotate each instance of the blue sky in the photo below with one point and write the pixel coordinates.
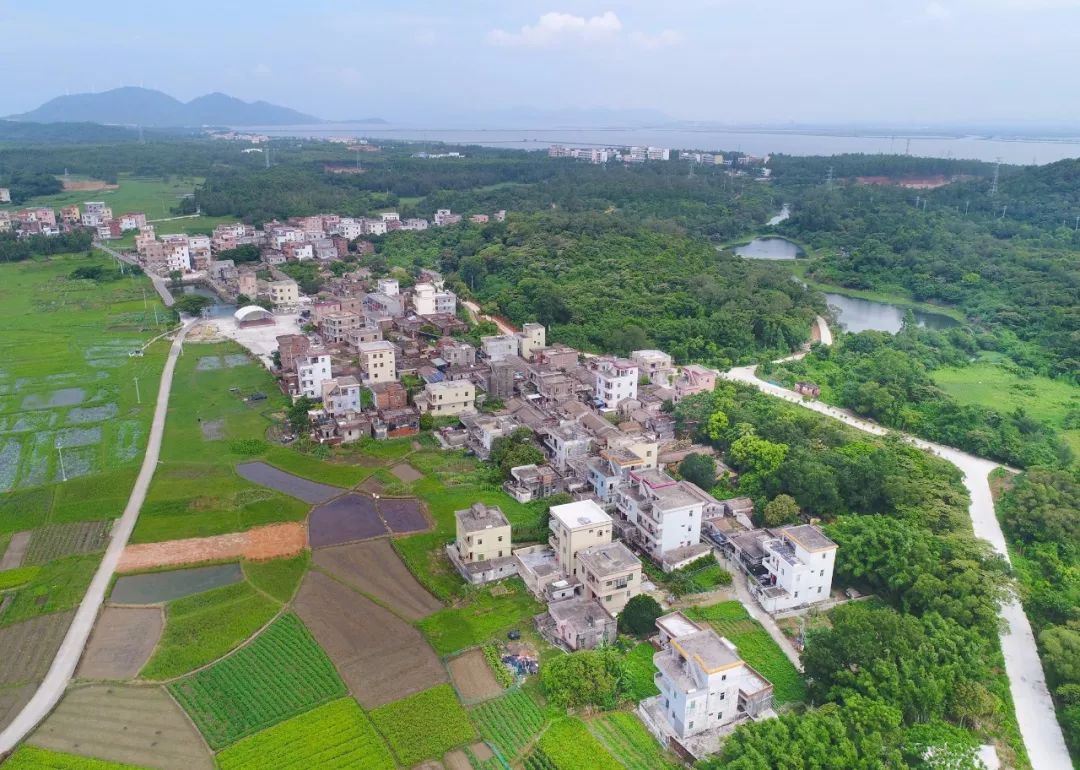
(420, 63)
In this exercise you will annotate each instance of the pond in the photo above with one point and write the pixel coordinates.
(219, 308)
(772, 247)
(155, 587)
(859, 315)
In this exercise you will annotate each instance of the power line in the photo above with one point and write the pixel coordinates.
(994, 184)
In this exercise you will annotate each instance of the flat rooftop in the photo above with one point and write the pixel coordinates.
(708, 650)
(581, 513)
(675, 624)
(809, 537)
(479, 517)
(609, 559)
(581, 613)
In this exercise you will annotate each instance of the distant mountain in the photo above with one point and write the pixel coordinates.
(146, 107)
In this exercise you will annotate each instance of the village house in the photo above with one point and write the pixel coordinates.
(341, 395)
(693, 379)
(291, 347)
(312, 370)
(5, 195)
(705, 687)
(577, 624)
(427, 300)
(575, 526)
(616, 380)
(284, 292)
(567, 445)
(446, 398)
(610, 574)
(481, 551)
(499, 346)
(389, 395)
(666, 516)
(532, 337)
(396, 423)
(482, 429)
(336, 327)
(531, 482)
(656, 364)
(378, 361)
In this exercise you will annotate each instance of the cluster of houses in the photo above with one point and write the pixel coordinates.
(645, 154)
(93, 215)
(607, 443)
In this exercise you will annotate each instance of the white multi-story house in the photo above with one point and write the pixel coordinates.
(446, 217)
(567, 445)
(347, 227)
(374, 227)
(666, 513)
(414, 224)
(800, 561)
(311, 372)
(616, 381)
(378, 361)
(610, 574)
(575, 526)
(388, 286)
(427, 300)
(704, 684)
(340, 396)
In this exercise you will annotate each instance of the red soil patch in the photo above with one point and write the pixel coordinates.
(270, 542)
(87, 185)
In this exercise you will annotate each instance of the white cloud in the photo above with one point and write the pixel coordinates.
(262, 69)
(556, 27)
(425, 37)
(663, 39)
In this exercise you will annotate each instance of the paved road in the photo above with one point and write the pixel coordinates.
(67, 658)
(1034, 708)
(159, 283)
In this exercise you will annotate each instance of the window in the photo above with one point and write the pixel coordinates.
(723, 695)
(691, 724)
(500, 538)
(819, 589)
(822, 573)
(796, 594)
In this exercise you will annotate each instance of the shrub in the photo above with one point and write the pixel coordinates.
(638, 617)
(248, 447)
(494, 660)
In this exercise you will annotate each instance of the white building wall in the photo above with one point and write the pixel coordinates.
(312, 372)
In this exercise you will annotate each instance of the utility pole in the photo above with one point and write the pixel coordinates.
(994, 184)
(1077, 227)
(138, 396)
(1003, 210)
(829, 179)
(60, 450)
(967, 205)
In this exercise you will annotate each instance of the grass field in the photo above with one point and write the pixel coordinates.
(509, 722)
(489, 612)
(281, 674)
(279, 577)
(58, 585)
(337, 736)
(196, 492)
(990, 383)
(154, 197)
(630, 743)
(32, 758)
(200, 629)
(756, 647)
(568, 745)
(638, 671)
(425, 725)
(66, 380)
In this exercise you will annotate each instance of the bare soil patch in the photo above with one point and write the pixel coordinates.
(12, 700)
(269, 542)
(139, 726)
(457, 760)
(372, 486)
(348, 518)
(302, 489)
(16, 550)
(27, 648)
(157, 587)
(121, 643)
(375, 568)
(87, 185)
(431, 764)
(212, 430)
(406, 473)
(473, 677)
(380, 656)
(403, 514)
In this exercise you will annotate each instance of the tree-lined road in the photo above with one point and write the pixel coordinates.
(1031, 697)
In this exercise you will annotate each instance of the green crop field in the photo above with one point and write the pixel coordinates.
(638, 672)
(487, 615)
(568, 745)
(67, 385)
(154, 197)
(11, 578)
(756, 647)
(33, 758)
(196, 491)
(424, 725)
(337, 736)
(509, 721)
(991, 383)
(282, 673)
(279, 577)
(200, 629)
(630, 743)
(58, 585)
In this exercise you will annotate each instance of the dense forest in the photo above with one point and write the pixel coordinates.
(887, 676)
(888, 378)
(603, 284)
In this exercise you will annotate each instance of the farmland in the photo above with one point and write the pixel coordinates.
(568, 745)
(490, 612)
(58, 540)
(280, 674)
(31, 758)
(126, 724)
(629, 742)
(122, 641)
(509, 722)
(639, 670)
(58, 585)
(337, 736)
(756, 647)
(375, 570)
(201, 628)
(424, 725)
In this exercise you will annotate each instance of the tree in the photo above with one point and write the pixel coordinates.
(638, 617)
(753, 454)
(583, 678)
(782, 509)
(699, 469)
(519, 448)
(192, 304)
(1061, 652)
(297, 415)
(718, 423)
